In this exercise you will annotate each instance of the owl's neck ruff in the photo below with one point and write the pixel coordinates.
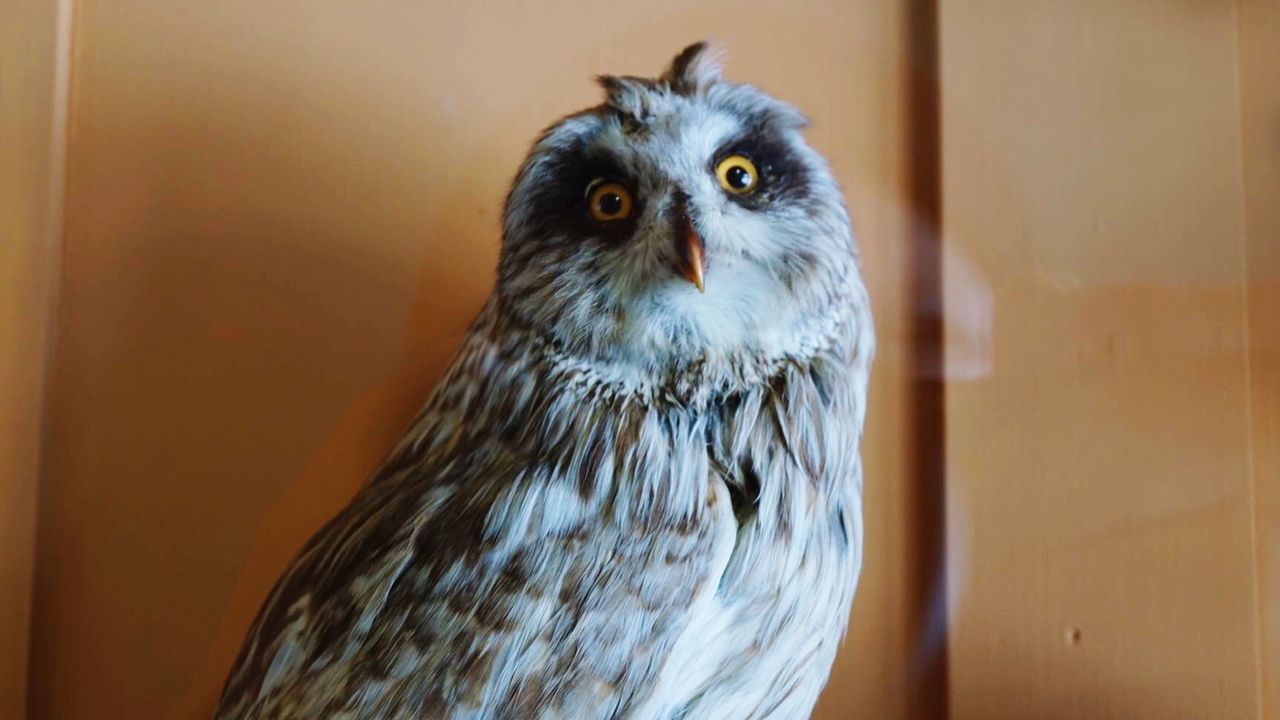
(511, 397)
(691, 381)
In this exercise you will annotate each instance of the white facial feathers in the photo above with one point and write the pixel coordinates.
(613, 292)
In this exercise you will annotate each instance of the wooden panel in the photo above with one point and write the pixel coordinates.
(33, 45)
(1099, 498)
(1260, 123)
(280, 219)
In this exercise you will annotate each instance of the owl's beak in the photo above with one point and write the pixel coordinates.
(689, 249)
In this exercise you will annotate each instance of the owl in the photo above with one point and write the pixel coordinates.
(636, 493)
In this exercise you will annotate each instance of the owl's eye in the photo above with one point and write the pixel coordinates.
(609, 201)
(737, 174)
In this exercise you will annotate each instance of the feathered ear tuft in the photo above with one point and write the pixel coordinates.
(695, 69)
(628, 95)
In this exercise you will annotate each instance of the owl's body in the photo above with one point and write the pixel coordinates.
(627, 498)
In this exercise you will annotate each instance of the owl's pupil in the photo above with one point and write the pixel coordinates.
(610, 203)
(738, 177)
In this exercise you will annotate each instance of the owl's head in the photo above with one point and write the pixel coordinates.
(683, 221)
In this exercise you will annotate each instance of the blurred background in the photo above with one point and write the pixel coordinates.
(239, 240)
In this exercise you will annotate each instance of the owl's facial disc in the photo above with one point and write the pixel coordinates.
(684, 219)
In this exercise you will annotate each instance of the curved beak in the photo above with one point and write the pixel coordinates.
(689, 247)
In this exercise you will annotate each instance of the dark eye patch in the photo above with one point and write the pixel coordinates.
(783, 175)
(558, 203)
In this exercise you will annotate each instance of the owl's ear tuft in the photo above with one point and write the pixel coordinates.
(627, 95)
(695, 69)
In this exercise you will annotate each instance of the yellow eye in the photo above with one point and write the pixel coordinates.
(737, 174)
(609, 201)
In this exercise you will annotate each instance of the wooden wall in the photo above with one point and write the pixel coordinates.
(280, 217)
(1099, 475)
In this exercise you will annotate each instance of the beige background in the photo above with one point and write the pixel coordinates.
(280, 217)
(1105, 534)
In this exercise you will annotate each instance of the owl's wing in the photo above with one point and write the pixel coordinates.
(483, 598)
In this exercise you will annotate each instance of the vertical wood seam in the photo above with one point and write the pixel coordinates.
(1255, 535)
(55, 194)
(927, 591)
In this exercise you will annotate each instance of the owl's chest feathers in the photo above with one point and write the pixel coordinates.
(781, 446)
(780, 562)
